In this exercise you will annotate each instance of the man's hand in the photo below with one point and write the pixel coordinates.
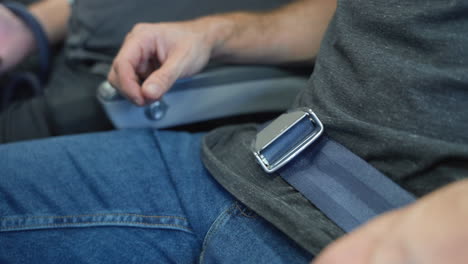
(431, 231)
(154, 56)
(16, 40)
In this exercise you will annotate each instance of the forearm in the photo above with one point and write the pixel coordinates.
(289, 34)
(159, 54)
(53, 16)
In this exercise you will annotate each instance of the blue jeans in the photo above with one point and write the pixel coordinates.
(135, 196)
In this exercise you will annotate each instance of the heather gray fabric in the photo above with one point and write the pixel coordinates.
(391, 84)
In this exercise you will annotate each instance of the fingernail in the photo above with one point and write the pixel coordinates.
(152, 88)
(138, 101)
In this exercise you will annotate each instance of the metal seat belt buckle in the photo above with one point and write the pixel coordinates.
(285, 137)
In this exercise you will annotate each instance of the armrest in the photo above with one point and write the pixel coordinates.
(217, 92)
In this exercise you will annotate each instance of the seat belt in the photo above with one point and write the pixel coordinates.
(347, 189)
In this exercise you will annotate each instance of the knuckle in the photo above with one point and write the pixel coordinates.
(110, 76)
(115, 66)
(128, 36)
(139, 27)
(136, 28)
(165, 78)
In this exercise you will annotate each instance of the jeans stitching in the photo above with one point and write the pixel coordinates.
(97, 223)
(243, 212)
(87, 215)
(214, 227)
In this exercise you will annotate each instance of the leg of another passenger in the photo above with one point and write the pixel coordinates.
(25, 120)
(68, 106)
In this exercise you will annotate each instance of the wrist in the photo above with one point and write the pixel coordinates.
(235, 36)
(218, 30)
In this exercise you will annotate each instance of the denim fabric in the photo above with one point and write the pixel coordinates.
(134, 196)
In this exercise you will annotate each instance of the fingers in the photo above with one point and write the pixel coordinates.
(158, 54)
(137, 60)
(146, 67)
(162, 79)
(123, 76)
(363, 245)
(131, 64)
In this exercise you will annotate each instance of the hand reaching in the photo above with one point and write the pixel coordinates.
(154, 56)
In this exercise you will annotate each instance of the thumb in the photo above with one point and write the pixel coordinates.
(161, 80)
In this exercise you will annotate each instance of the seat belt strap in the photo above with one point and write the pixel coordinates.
(343, 186)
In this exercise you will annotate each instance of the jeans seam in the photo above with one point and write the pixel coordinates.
(214, 227)
(18, 223)
(88, 223)
(243, 212)
(87, 215)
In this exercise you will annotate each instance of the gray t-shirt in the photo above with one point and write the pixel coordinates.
(391, 84)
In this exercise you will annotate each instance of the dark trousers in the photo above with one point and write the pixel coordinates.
(68, 106)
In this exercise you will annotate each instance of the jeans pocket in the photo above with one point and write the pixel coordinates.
(239, 235)
(35, 222)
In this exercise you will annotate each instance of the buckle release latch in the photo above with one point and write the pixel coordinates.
(285, 137)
